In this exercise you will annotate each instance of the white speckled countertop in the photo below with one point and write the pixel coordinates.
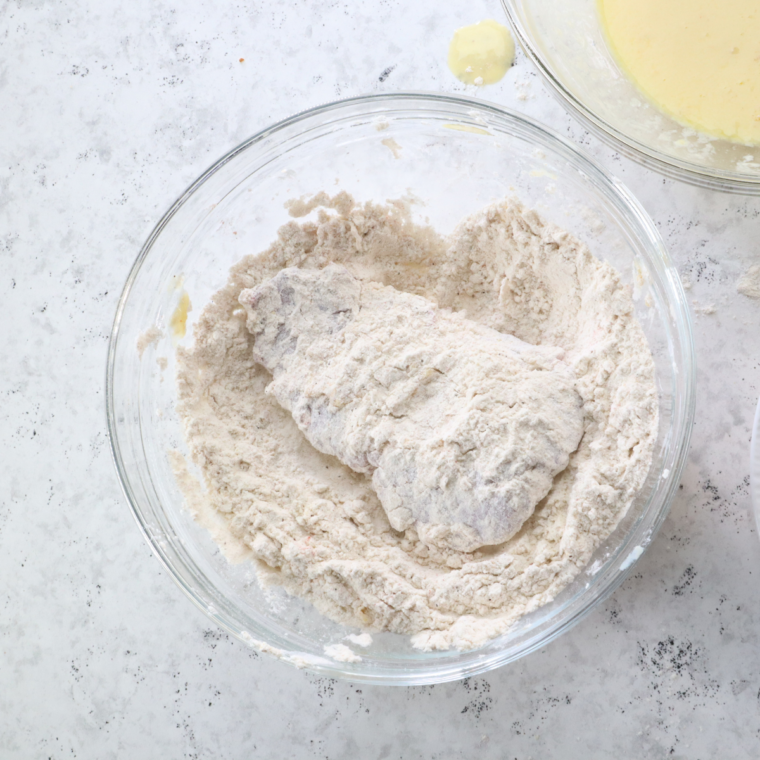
(109, 110)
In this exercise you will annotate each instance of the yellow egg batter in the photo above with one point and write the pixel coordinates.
(178, 321)
(481, 53)
(698, 60)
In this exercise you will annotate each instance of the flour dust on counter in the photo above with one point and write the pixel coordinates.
(306, 507)
(749, 283)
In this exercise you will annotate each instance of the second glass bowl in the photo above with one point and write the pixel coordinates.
(565, 40)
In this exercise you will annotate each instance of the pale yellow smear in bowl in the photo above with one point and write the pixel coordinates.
(698, 60)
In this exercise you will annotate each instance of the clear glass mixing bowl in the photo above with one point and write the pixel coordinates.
(565, 40)
(456, 155)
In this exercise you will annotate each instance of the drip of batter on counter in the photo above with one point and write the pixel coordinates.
(481, 53)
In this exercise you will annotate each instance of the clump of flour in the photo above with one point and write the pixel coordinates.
(315, 527)
(749, 283)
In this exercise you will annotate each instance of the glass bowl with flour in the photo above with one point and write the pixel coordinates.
(359, 336)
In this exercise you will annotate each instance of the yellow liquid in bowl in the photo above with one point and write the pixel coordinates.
(698, 60)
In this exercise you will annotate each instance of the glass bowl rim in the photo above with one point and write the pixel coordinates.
(418, 674)
(650, 158)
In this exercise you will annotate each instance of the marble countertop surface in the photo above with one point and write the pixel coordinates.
(109, 110)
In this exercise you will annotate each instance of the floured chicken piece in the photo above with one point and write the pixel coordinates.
(461, 428)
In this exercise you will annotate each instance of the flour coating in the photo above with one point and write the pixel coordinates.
(316, 527)
(461, 428)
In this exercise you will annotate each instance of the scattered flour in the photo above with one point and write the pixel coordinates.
(315, 527)
(360, 639)
(749, 283)
(149, 338)
(265, 648)
(342, 653)
(523, 90)
(705, 310)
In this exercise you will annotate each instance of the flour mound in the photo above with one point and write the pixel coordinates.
(316, 527)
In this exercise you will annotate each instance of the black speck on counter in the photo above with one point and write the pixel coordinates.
(386, 73)
(686, 580)
(478, 689)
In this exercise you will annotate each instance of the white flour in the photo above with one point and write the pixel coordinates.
(749, 283)
(317, 528)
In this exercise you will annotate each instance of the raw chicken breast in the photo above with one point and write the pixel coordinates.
(461, 428)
